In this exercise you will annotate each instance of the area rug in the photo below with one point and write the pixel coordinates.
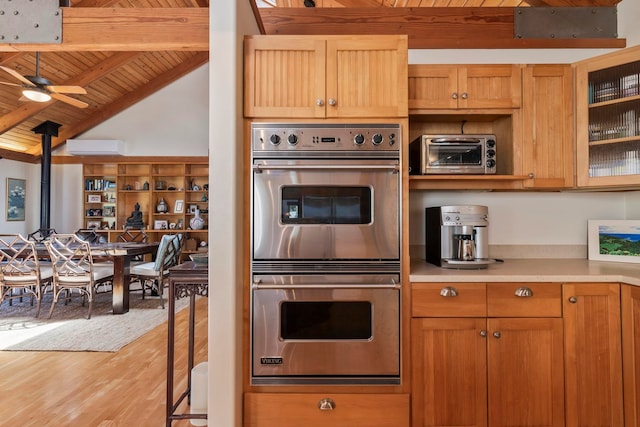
(70, 330)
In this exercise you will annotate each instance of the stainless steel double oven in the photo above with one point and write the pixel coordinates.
(325, 265)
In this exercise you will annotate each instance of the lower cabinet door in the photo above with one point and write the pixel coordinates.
(324, 410)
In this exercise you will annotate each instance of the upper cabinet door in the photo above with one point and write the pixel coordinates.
(325, 77)
(367, 77)
(453, 87)
(547, 126)
(284, 77)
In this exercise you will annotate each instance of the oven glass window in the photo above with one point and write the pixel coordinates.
(326, 320)
(455, 154)
(326, 205)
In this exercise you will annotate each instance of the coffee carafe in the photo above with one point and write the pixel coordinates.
(457, 236)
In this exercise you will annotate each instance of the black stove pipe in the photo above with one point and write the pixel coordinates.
(47, 130)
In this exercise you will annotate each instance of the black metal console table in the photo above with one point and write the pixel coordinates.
(185, 280)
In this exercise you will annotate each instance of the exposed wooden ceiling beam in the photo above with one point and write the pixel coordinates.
(19, 157)
(427, 27)
(127, 100)
(25, 111)
(127, 29)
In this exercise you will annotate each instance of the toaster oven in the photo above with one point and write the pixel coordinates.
(453, 154)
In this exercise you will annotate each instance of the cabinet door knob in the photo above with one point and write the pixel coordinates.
(573, 299)
(531, 175)
(326, 404)
(464, 95)
(449, 291)
(319, 102)
(454, 95)
(524, 292)
(332, 102)
(483, 333)
(497, 334)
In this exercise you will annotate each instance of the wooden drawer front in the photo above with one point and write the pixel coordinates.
(469, 300)
(297, 410)
(545, 300)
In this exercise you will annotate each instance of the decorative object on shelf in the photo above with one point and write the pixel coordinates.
(178, 207)
(135, 219)
(171, 187)
(196, 188)
(179, 224)
(16, 191)
(193, 208)
(145, 186)
(196, 223)
(94, 198)
(162, 206)
(93, 224)
(172, 226)
(137, 185)
(200, 258)
(127, 187)
(204, 198)
(160, 185)
(614, 240)
(205, 187)
(160, 224)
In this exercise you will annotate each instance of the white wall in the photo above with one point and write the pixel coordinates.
(30, 173)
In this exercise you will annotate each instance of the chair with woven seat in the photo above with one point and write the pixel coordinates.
(21, 270)
(153, 275)
(74, 269)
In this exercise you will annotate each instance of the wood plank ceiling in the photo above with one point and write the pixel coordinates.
(430, 24)
(115, 73)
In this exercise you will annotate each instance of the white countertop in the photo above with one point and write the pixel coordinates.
(532, 270)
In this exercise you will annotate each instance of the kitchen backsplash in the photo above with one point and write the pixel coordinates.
(521, 251)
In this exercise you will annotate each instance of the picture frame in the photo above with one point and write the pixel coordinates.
(614, 240)
(16, 197)
(94, 198)
(160, 224)
(178, 206)
(193, 209)
(94, 224)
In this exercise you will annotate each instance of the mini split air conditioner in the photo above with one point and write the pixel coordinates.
(95, 147)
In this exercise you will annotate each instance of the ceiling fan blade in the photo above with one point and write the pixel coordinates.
(17, 75)
(67, 89)
(10, 84)
(69, 100)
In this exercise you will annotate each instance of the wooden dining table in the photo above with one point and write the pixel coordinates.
(121, 254)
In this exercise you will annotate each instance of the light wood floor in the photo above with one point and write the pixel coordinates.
(84, 389)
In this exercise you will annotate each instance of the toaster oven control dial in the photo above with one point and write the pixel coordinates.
(376, 139)
(292, 139)
(491, 153)
(274, 139)
(491, 143)
(358, 139)
(491, 163)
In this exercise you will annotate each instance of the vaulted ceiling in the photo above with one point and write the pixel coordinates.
(119, 51)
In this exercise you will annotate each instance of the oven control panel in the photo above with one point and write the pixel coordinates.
(281, 137)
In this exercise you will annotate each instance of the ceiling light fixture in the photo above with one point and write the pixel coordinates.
(36, 95)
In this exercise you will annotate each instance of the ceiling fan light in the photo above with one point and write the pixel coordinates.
(36, 95)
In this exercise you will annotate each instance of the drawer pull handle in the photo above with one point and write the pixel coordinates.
(497, 334)
(326, 404)
(524, 292)
(573, 300)
(449, 291)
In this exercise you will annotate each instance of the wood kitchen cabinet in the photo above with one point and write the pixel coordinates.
(593, 358)
(484, 356)
(608, 119)
(547, 126)
(325, 76)
(451, 87)
(630, 302)
(322, 410)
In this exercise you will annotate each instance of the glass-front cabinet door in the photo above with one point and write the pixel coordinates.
(608, 120)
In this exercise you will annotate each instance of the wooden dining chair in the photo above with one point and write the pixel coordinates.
(153, 275)
(20, 269)
(74, 269)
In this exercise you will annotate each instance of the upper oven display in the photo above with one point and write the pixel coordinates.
(326, 205)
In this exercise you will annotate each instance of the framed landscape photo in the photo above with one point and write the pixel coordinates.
(614, 240)
(16, 194)
(160, 224)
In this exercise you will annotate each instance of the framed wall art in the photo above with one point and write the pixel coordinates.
(16, 195)
(160, 224)
(178, 207)
(94, 198)
(614, 240)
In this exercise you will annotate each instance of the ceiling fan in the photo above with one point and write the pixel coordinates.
(37, 88)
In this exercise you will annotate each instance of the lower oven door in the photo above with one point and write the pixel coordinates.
(318, 329)
(326, 209)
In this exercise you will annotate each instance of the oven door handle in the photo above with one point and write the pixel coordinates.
(390, 168)
(258, 285)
